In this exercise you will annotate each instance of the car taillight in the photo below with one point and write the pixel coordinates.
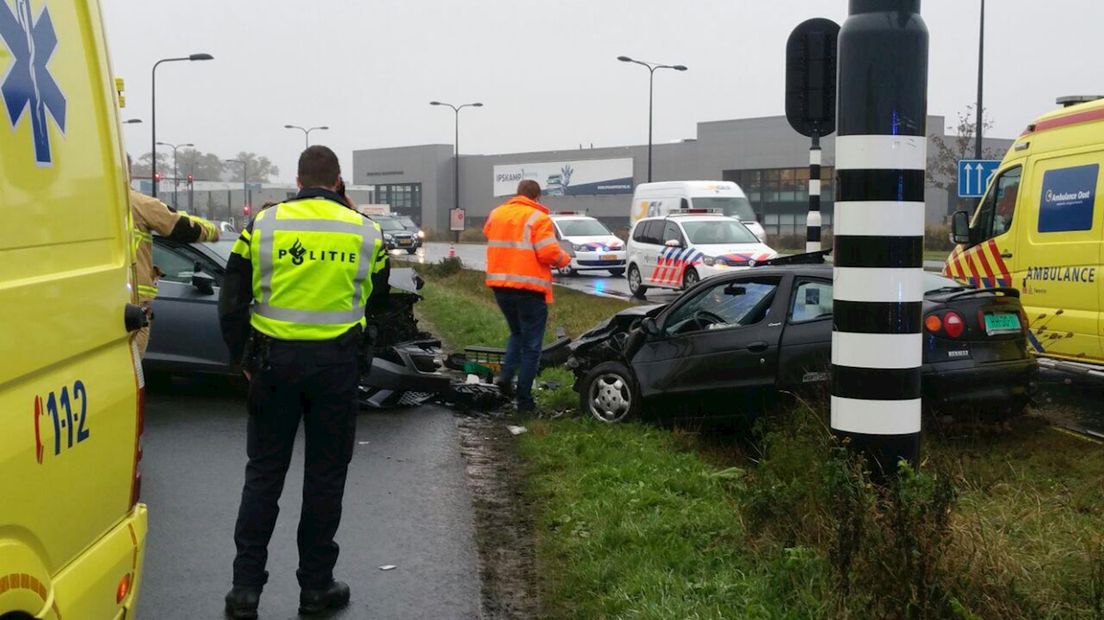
(953, 324)
(933, 323)
(140, 424)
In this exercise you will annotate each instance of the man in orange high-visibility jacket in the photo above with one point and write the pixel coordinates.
(521, 251)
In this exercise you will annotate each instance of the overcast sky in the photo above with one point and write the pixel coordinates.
(546, 70)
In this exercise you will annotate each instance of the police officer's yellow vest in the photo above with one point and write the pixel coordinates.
(312, 265)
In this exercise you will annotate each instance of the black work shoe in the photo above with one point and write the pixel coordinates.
(506, 388)
(241, 602)
(333, 596)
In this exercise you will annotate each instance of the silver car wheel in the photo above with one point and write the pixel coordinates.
(634, 279)
(610, 398)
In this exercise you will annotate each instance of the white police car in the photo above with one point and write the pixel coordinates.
(677, 250)
(591, 245)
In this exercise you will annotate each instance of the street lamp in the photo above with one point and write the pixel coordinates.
(306, 132)
(651, 66)
(245, 184)
(174, 147)
(456, 146)
(153, 110)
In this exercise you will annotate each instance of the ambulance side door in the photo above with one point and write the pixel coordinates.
(1061, 275)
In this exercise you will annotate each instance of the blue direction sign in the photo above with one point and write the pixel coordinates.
(973, 176)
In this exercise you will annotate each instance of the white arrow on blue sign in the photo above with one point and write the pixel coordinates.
(973, 176)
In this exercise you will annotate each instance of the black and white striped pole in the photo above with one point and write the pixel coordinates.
(881, 156)
(812, 224)
(811, 101)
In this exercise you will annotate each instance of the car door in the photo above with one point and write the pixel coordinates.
(722, 339)
(648, 248)
(185, 336)
(805, 355)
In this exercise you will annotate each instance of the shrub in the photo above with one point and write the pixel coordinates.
(938, 237)
(441, 269)
(472, 235)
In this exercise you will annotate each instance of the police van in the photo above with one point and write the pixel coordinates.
(590, 244)
(72, 531)
(677, 250)
(655, 199)
(1040, 229)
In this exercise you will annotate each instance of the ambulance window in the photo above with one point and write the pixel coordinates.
(995, 217)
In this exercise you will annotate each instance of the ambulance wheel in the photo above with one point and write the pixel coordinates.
(636, 283)
(609, 393)
(617, 273)
(690, 278)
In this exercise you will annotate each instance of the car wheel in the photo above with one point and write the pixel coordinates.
(636, 283)
(412, 251)
(568, 271)
(690, 278)
(617, 273)
(609, 393)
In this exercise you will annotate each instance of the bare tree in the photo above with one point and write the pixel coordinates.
(260, 168)
(943, 162)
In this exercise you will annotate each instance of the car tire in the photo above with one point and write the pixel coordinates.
(568, 271)
(690, 278)
(412, 251)
(617, 273)
(636, 282)
(609, 394)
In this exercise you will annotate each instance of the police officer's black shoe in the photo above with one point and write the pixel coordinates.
(241, 602)
(333, 596)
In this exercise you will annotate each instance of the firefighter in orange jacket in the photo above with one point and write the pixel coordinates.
(521, 251)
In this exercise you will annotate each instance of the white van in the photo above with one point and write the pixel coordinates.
(657, 199)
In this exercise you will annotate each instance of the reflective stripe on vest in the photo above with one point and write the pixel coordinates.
(269, 224)
(526, 242)
(509, 277)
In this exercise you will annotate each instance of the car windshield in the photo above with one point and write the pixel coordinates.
(389, 223)
(935, 282)
(732, 206)
(409, 223)
(582, 228)
(709, 232)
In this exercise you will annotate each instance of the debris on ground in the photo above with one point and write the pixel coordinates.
(388, 567)
(516, 430)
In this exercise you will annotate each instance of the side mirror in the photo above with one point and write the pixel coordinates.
(203, 283)
(673, 243)
(960, 227)
(649, 326)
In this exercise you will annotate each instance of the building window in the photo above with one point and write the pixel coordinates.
(404, 198)
(780, 196)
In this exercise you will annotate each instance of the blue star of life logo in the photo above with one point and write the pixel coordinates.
(29, 83)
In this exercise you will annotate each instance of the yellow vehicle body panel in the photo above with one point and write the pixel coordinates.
(69, 392)
(1040, 229)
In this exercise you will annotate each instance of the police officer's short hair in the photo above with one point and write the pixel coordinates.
(529, 188)
(318, 167)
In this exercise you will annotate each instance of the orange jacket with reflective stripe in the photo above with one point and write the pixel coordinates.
(522, 248)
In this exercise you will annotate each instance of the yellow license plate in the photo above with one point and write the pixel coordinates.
(609, 257)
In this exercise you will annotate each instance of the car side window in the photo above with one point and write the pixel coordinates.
(671, 232)
(995, 217)
(175, 264)
(638, 231)
(652, 232)
(812, 300)
(726, 305)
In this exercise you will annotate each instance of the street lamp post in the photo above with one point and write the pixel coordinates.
(456, 147)
(981, 70)
(306, 132)
(245, 183)
(153, 111)
(651, 66)
(174, 147)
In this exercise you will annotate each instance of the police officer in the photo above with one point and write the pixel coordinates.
(295, 290)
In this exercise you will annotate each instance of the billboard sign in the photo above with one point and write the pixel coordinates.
(588, 177)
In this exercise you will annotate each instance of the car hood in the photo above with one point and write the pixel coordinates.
(737, 253)
(597, 242)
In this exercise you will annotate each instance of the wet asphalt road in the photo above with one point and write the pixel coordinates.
(406, 504)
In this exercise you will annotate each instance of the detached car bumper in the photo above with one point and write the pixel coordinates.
(967, 382)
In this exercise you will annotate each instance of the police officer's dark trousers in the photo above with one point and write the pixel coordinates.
(315, 381)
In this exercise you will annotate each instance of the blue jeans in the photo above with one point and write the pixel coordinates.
(526, 313)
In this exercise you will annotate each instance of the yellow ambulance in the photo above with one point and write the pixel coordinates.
(1040, 229)
(72, 532)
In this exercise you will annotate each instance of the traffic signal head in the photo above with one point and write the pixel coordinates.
(157, 177)
(190, 179)
(247, 210)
